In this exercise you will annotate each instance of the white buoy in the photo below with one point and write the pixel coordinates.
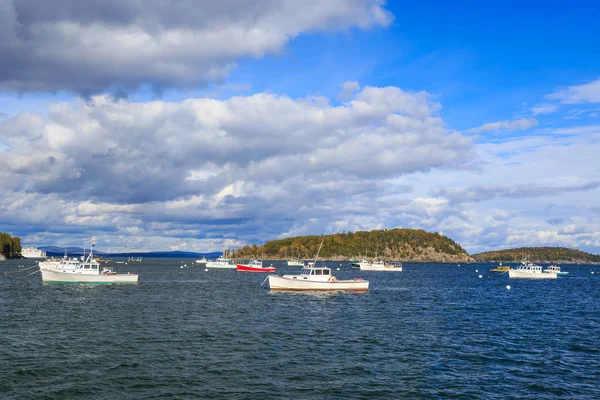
(480, 276)
(206, 269)
(181, 266)
(476, 270)
(338, 268)
(592, 272)
(507, 287)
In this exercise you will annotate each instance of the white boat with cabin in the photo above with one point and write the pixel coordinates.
(87, 270)
(380, 266)
(313, 278)
(528, 270)
(32, 252)
(295, 263)
(203, 260)
(555, 269)
(221, 262)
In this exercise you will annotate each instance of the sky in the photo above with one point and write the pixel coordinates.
(201, 125)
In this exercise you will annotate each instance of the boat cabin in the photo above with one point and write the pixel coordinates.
(313, 274)
(316, 271)
(530, 268)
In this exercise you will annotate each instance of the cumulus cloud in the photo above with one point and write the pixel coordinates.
(120, 45)
(348, 90)
(586, 93)
(519, 124)
(256, 163)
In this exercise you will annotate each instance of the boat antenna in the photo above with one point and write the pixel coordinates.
(318, 251)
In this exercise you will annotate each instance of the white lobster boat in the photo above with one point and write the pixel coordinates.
(313, 278)
(72, 270)
(295, 263)
(316, 279)
(528, 270)
(555, 269)
(221, 262)
(380, 266)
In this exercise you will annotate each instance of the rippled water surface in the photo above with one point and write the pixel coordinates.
(431, 331)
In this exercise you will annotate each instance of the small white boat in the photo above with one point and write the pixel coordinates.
(313, 278)
(72, 270)
(255, 266)
(203, 260)
(528, 270)
(221, 262)
(295, 263)
(380, 266)
(555, 269)
(134, 259)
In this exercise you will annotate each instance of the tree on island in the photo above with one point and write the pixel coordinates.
(10, 246)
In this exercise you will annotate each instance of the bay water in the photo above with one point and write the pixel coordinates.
(430, 331)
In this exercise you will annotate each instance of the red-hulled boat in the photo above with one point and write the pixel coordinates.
(255, 266)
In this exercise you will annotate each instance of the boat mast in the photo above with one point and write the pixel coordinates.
(93, 244)
(318, 251)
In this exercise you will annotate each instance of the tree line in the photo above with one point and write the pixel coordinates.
(385, 244)
(538, 254)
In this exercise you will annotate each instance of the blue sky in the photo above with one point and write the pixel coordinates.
(213, 126)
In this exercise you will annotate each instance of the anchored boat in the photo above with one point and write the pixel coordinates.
(87, 270)
(555, 269)
(316, 279)
(380, 266)
(222, 262)
(255, 266)
(501, 268)
(528, 270)
(313, 278)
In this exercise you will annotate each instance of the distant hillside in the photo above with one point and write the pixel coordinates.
(391, 245)
(540, 255)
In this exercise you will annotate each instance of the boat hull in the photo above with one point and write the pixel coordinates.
(379, 268)
(248, 268)
(49, 276)
(217, 265)
(527, 275)
(282, 283)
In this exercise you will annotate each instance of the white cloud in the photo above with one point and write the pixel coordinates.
(121, 45)
(586, 93)
(348, 90)
(544, 109)
(253, 164)
(576, 130)
(519, 124)
(483, 193)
